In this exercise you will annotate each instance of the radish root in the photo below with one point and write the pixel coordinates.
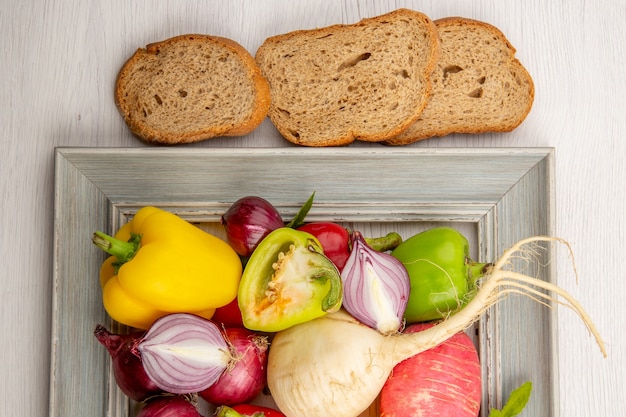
(500, 282)
(336, 363)
(507, 282)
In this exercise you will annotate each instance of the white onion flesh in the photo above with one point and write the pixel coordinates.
(376, 287)
(183, 353)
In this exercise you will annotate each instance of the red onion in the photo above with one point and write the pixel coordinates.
(184, 353)
(128, 370)
(376, 287)
(248, 221)
(246, 379)
(169, 407)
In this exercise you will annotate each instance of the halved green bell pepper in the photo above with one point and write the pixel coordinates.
(443, 277)
(288, 281)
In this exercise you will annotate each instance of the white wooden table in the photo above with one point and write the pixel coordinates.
(58, 63)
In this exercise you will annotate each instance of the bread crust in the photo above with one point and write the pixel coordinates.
(450, 110)
(303, 66)
(132, 79)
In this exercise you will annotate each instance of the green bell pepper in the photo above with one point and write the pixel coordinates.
(288, 281)
(443, 277)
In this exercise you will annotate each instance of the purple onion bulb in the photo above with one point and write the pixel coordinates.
(376, 287)
(248, 221)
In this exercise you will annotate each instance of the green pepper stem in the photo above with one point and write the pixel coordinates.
(123, 251)
(225, 411)
(384, 243)
(476, 270)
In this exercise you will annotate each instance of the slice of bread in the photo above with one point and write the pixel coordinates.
(478, 86)
(368, 80)
(191, 88)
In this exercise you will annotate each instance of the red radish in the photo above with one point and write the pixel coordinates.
(442, 381)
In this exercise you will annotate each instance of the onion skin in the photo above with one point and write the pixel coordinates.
(376, 287)
(440, 382)
(128, 369)
(247, 377)
(169, 406)
(248, 221)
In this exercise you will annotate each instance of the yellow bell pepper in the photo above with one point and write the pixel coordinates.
(162, 264)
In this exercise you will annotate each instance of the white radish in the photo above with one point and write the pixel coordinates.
(335, 365)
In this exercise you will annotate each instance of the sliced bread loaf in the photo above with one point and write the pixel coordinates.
(478, 86)
(191, 88)
(367, 81)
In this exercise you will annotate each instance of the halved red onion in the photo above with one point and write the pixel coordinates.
(376, 287)
(183, 353)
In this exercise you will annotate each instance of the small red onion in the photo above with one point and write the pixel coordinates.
(184, 353)
(246, 379)
(376, 287)
(128, 370)
(168, 406)
(248, 221)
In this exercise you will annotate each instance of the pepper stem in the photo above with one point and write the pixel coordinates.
(225, 411)
(384, 243)
(476, 270)
(123, 251)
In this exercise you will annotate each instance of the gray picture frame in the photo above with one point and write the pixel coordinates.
(504, 194)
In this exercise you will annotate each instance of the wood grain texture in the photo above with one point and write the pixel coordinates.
(59, 63)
